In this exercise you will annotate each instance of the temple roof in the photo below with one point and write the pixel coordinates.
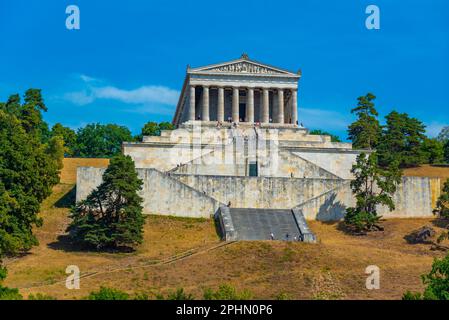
(243, 66)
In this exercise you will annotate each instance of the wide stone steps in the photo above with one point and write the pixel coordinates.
(259, 224)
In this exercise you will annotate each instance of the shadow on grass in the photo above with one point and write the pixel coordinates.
(441, 223)
(65, 243)
(67, 200)
(218, 230)
(423, 235)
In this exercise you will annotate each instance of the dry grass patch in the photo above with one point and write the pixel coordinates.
(68, 173)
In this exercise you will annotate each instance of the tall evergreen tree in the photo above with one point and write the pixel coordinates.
(402, 141)
(433, 151)
(372, 186)
(111, 216)
(443, 136)
(365, 131)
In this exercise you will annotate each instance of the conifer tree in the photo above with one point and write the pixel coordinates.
(111, 216)
(365, 131)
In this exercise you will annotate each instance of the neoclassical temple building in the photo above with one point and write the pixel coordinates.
(241, 90)
(238, 155)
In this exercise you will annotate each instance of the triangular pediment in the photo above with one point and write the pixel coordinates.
(243, 66)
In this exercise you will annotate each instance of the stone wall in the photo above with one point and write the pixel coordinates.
(338, 163)
(259, 192)
(317, 199)
(415, 198)
(162, 194)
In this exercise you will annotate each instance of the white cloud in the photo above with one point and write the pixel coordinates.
(87, 78)
(80, 98)
(142, 95)
(147, 97)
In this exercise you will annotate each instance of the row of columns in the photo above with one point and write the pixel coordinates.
(265, 111)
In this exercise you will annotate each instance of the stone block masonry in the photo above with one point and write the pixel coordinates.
(162, 194)
(317, 199)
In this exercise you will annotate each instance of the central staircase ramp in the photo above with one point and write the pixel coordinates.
(261, 224)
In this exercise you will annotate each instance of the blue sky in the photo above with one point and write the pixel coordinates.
(126, 64)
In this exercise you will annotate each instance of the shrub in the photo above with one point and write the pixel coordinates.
(108, 294)
(226, 292)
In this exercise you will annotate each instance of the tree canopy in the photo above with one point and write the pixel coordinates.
(402, 141)
(100, 141)
(365, 131)
(318, 132)
(29, 169)
(372, 186)
(111, 216)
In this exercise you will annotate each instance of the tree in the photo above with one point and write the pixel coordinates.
(334, 138)
(154, 129)
(166, 126)
(365, 131)
(402, 141)
(372, 186)
(226, 292)
(446, 151)
(179, 294)
(28, 171)
(436, 281)
(111, 216)
(443, 136)
(442, 208)
(55, 149)
(151, 129)
(30, 114)
(68, 136)
(101, 141)
(433, 151)
(5, 292)
(108, 294)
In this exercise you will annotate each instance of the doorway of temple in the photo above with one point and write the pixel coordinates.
(242, 111)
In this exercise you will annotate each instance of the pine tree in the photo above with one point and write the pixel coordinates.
(111, 216)
(365, 131)
(402, 141)
(372, 187)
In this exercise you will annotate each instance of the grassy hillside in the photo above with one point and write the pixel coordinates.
(68, 174)
(187, 253)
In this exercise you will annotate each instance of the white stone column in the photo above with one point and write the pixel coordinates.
(250, 106)
(294, 106)
(192, 103)
(265, 118)
(205, 113)
(220, 105)
(280, 110)
(235, 105)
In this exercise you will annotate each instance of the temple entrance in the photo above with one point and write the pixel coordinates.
(242, 111)
(253, 169)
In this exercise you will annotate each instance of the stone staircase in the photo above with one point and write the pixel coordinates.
(259, 224)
